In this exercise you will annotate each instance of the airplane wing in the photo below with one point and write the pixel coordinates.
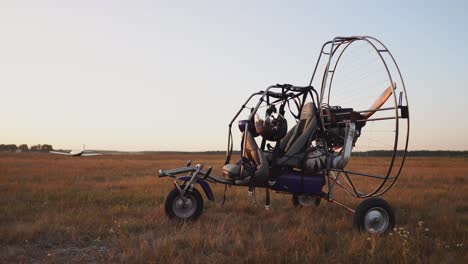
(90, 154)
(60, 153)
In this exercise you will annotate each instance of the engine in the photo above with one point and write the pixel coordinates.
(335, 124)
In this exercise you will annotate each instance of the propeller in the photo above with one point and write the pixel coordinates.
(380, 101)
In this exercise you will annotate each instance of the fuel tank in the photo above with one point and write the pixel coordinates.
(299, 183)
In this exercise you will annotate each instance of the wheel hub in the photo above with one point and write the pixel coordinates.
(184, 207)
(376, 220)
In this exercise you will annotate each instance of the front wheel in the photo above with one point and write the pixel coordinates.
(187, 207)
(374, 215)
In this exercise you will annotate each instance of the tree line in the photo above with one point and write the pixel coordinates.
(25, 148)
(414, 153)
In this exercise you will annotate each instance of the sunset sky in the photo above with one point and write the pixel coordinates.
(169, 75)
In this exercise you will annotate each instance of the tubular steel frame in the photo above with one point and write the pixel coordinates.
(196, 174)
(334, 46)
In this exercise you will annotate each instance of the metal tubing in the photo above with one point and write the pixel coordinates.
(335, 44)
(196, 172)
(230, 140)
(365, 120)
(193, 179)
(363, 111)
(342, 205)
(408, 120)
(363, 174)
(201, 173)
(173, 172)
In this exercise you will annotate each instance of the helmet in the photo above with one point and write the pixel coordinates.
(273, 128)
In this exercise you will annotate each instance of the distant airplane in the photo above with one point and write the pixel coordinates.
(77, 153)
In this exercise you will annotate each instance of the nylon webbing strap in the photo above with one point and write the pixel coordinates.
(224, 195)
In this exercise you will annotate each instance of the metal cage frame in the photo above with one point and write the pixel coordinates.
(337, 47)
(333, 48)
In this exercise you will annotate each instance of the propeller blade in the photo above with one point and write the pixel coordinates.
(380, 101)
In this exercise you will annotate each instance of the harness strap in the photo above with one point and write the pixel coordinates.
(224, 195)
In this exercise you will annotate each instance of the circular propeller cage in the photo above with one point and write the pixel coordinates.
(360, 73)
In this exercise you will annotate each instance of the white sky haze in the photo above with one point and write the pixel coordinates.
(169, 75)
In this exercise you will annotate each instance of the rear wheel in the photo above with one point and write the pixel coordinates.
(374, 215)
(187, 207)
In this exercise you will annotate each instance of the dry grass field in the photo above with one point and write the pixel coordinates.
(57, 209)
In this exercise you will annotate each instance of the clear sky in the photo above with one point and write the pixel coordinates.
(169, 75)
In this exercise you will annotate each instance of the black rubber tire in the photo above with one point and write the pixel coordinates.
(365, 206)
(193, 194)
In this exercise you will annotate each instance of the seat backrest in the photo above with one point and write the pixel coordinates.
(299, 136)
